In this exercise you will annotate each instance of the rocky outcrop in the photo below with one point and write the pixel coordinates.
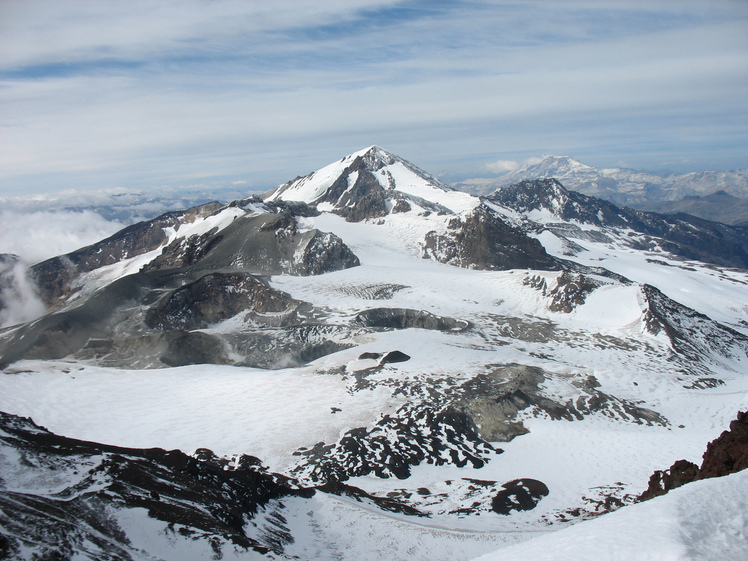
(492, 401)
(727, 454)
(400, 318)
(216, 297)
(395, 444)
(262, 244)
(518, 495)
(480, 239)
(570, 290)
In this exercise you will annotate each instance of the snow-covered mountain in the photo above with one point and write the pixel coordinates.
(449, 374)
(620, 185)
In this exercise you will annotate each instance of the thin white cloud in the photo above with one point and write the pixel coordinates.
(505, 166)
(40, 235)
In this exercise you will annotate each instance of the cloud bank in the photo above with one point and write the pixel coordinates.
(152, 94)
(37, 236)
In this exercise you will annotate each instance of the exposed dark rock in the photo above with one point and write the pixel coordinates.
(571, 290)
(400, 318)
(492, 400)
(401, 205)
(364, 199)
(680, 473)
(729, 452)
(482, 240)
(322, 252)
(205, 497)
(395, 444)
(726, 454)
(260, 244)
(394, 356)
(214, 298)
(518, 495)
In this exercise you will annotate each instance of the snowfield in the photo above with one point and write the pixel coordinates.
(613, 401)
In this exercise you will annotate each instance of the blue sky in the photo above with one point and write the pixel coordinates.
(145, 95)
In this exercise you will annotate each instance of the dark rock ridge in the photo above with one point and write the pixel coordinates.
(365, 198)
(261, 244)
(727, 454)
(55, 276)
(483, 240)
(693, 336)
(683, 235)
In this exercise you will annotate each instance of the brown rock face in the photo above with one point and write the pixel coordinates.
(727, 454)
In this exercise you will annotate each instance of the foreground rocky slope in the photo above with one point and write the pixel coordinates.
(63, 498)
(725, 455)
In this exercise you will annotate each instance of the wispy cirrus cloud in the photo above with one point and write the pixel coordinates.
(99, 94)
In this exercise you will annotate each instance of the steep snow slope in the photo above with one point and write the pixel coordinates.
(700, 522)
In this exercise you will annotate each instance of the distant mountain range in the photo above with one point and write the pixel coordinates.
(713, 195)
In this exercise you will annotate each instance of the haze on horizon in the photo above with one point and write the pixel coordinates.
(169, 94)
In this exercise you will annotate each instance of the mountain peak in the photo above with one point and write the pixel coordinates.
(379, 177)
